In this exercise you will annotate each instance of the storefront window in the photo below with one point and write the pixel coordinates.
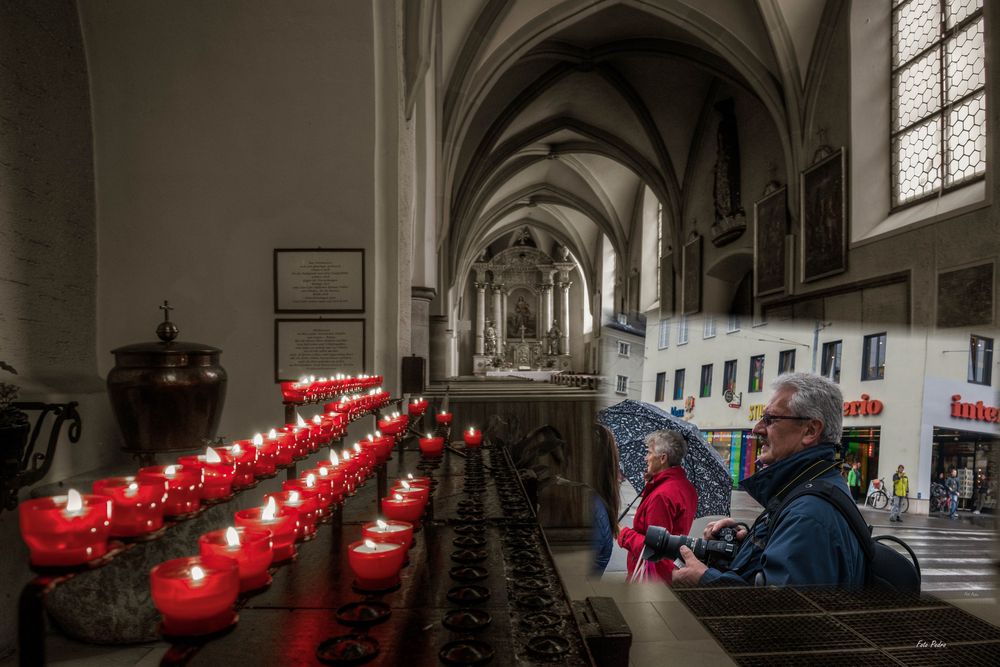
(976, 457)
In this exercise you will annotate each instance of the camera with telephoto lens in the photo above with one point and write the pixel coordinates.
(660, 544)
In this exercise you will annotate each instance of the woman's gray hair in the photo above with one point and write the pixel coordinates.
(670, 443)
(816, 397)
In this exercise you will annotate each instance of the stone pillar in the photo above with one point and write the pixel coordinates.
(564, 323)
(438, 342)
(547, 309)
(498, 315)
(480, 315)
(420, 306)
(503, 314)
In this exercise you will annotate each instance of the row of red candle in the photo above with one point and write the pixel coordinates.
(288, 516)
(311, 390)
(73, 529)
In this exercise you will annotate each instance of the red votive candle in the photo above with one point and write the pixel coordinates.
(417, 407)
(310, 488)
(137, 506)
(401, 508)
(409, 490)
(284, 447)
(423, 480)
(243, 455)
(283, 524)
(184, 485)
(66, 530)
(397, 532)
(296, 439)
(431, 446)
(376, 564)
(194, 597)
(218, 481)
(306, 507)
(250, 548)
(473, 437)
(267, 454)
(443, 418)
(323, 475)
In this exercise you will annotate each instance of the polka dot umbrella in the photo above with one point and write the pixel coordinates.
(631, 421)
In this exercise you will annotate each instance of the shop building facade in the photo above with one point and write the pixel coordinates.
(899, 388)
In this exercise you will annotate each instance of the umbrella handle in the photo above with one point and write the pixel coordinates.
(629, 507)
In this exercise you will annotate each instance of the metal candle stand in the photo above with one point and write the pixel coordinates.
(31, 603)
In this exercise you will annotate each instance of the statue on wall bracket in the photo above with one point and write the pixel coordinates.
(730, 218)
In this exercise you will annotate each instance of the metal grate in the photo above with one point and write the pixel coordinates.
(781, 634)
(905, 629)
(707, 602)
(837, 600)
(830, 659)
(962, 654)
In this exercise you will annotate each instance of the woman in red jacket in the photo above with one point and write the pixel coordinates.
(668, 500)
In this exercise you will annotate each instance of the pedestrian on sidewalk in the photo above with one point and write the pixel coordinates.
(669, 500)
(900, 489)
(951, 483)
(854, 480)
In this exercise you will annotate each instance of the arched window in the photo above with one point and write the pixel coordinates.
(938, 116)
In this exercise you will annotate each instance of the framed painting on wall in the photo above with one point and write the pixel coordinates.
(318, 347)
(692, 276)
(823, 218)
(770, 228)
(319, 280)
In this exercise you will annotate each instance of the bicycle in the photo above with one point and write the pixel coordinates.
(880, 500)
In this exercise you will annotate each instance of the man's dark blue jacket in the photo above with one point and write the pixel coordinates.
(813, 545)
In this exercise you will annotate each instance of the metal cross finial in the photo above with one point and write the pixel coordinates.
(166, 308)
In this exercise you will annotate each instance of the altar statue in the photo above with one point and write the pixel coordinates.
(490, 339)
(553, 335)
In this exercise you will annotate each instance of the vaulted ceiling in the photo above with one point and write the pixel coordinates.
(557, 115)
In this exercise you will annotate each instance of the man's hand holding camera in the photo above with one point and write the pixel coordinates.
(694, 569)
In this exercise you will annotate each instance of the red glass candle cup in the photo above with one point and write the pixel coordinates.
(184, 487)
(137, 506)
(432, 446)
(253, 554)
(58, 537)
(193, 606)
(404, 509)
(473, 438)
(218, 480)
(443, 418)
(421, 493)
(284, 528)
(397, 532)
(422, 480)
(283, 445)
(376, 564)
(243, 455)
(297, 439)
(416, 408)
(306, 506)
(323, 483)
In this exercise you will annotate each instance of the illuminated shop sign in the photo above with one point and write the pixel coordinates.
(756, 412)
(866, 406)
(976, 411)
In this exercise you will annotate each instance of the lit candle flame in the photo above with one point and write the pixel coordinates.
(293, 497)
(382, 525)
(334, 459)
(232, 537)
(409, 475)
(269, 510)
(197, 574)
(405, 485)
(258, 440)
(212, 456)
(369, 544)
(310, 480)
(236, 450)
(323, 471)
(443, 412)
(370, 437)
(74, 502)
(428, 436)
(345, 455)
(357, 448)
(303, 380)
(397, 496)
(472, 430)
(272, 434)
(317, 420)
(299, 421)
(169, 472)
(131, 489)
